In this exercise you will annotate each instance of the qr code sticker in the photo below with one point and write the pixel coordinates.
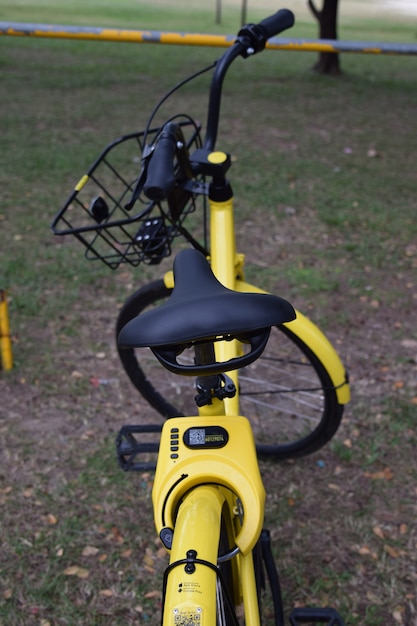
(197, 437)
(187, 618)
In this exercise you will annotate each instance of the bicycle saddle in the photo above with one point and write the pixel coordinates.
(201, 309)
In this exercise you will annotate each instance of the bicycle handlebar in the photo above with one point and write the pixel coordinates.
(160, 180)
(275, 24)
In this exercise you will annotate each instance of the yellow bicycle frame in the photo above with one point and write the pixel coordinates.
(194, 485)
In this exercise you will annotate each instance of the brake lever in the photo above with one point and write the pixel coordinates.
(147, 152)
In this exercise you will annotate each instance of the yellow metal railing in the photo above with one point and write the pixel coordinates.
(21, 29)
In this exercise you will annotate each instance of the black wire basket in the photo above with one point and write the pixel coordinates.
(97, 212)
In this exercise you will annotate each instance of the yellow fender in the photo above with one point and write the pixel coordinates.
(318, 343)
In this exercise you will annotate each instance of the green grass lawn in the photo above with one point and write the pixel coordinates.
(325, 180)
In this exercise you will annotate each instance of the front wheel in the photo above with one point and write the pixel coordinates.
(287, 394)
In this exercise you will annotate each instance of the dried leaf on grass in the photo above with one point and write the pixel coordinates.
(148, 559)
(161, 553)
(126, 554)
(115, 536)
(393, 552)
(90, 551)
(366, 551)
(398, 617)
(385, 474)
(378, 532)
(75, 570)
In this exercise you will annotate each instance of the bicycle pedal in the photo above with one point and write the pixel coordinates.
(132, 442)
(315, 615)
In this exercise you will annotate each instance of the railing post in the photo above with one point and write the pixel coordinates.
(5, 341)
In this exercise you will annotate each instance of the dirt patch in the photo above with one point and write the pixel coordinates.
(346, 515)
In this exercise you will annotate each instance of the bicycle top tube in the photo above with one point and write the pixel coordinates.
(250, 40)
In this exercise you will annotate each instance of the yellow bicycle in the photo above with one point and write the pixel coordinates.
(250, 353)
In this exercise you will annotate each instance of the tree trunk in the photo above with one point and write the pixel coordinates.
(328, 62)
(218, 11)
(243, 19)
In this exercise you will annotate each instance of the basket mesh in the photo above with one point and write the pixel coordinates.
(96, 214)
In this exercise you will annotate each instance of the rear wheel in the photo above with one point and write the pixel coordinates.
(226, 599)
(230, 610)
(287, 394)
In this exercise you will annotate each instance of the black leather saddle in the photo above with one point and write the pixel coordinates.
(201, 309)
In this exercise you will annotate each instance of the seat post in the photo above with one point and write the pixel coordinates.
(208, 399)
(205, 355)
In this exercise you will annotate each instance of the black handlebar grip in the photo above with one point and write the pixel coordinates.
(253, 37)
(275, 24)
(160, 179)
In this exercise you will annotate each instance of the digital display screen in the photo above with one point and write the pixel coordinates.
(206, 437)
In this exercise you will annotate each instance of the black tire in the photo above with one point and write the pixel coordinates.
(287, 394)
